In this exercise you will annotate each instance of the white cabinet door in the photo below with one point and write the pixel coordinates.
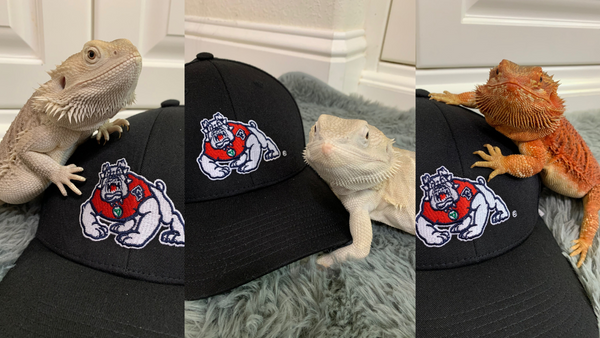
(155, 27)
(37, 35)
(459, 40)
(399, 42)
(389, 72)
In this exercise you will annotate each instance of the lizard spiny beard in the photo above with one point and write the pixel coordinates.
(517, 109)
(354, 177)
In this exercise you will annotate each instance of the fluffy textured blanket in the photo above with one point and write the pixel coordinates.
(370, 298)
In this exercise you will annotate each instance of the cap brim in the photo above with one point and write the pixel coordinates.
(46, 295)
(529, 291)
(240, 238)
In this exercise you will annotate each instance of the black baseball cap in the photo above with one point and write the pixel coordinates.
(252, 203)
(487, 265)
(108, 263)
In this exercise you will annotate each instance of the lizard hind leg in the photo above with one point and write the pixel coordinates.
(589, 225)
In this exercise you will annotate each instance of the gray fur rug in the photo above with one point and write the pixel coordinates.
(370, 298)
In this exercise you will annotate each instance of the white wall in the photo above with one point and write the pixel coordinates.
(338, 41)
(336, 15)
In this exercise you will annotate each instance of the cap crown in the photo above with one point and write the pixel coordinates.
(152, 150)
(240, 115)
(447, 136)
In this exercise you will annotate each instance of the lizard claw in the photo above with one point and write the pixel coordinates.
(492, 161)
(109, 127)
(580, 248)
(64, 176)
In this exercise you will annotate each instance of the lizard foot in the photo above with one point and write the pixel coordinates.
(110, 127)
(446, 97)
(580, 248)
(493, 161)
(351, 251)
(325, 260)
(63, 177)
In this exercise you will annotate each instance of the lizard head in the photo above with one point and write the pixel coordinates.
(520, 101)
(92, 85)
(350, 153)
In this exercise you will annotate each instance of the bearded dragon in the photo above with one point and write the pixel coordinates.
(372, 179)
(84, 92)
(521, 103)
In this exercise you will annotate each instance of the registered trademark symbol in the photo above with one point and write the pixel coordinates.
(284, 153)
(514, 213)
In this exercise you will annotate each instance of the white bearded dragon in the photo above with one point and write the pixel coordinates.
(372, 179)
(84, 92)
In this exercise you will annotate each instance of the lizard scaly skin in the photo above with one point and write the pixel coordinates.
(84, 92)
(522, 104)
(372, 179)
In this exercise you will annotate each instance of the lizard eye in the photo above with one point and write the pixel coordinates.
(92, 55)
(367, 136)
(540, 79)
(497, 71)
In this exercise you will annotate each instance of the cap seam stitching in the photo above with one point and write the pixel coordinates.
(274, 235)
(454, 139)
(66, 255)
(278, 82)
(225, 194)
(487, 255)
(139, 169)
(270, 253)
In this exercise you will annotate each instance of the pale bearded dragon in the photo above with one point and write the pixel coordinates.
(372, 179)
(521, 103)
(84, 92)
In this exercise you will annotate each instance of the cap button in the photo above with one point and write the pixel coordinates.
(204, 56)
(170, 103)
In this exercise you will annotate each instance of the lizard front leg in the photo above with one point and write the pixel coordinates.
(589, 225)
(362, 235)
(110, 127)
(530, 162)
(35, 151)
(466, 99)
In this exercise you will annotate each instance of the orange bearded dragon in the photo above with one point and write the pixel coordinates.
(521, 103)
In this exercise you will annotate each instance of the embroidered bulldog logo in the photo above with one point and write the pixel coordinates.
(233, 145)
(456, 206)
(131, 207)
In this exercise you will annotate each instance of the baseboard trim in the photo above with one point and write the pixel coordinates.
(334, 57)
(391, 84)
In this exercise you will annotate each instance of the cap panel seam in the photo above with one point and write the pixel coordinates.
(139, 169)
(454, 139)
(226, 89)
(232, 106)
(280, 84)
